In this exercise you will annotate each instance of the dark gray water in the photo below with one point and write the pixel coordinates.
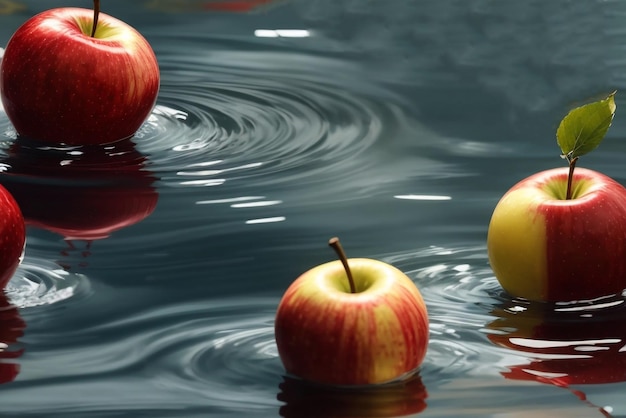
(153, 268)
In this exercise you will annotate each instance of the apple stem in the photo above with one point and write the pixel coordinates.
(570, 177)
(336, 245)
(96, 13)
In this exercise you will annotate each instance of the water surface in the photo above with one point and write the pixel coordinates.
(154, 266)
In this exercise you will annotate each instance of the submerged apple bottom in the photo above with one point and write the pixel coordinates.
(326, 334)
(543, 247)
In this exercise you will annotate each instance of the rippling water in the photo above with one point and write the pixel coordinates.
(154, 266)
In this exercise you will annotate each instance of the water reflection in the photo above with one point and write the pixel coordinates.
(80, 193)
(232, 6)
(566, 345)
(304, 399)
(11, 329)
(8, 7)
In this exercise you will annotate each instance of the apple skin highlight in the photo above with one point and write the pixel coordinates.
(60, 85)
(326, 334)
(545, 248)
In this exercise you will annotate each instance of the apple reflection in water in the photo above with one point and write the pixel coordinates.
(11, 328)
(569, 344)
(80, 193)
(302, 399)
(8, 7)
(228, 6)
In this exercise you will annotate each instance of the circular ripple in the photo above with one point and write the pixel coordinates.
(258, 115)
(459, 290)
(476, 326)
(273, 115)
(192, 355)
(219, 352)
(41, 282)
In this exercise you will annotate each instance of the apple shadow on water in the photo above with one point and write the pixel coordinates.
(303, 399)
(81, 193)
(567, 344)
(11, 328)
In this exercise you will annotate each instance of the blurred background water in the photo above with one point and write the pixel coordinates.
(153, 267)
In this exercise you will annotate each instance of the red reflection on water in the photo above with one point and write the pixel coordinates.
(81, 193)
(228, 6)
(566, 345)
(304, 399)
(235, 6)
(11, 328)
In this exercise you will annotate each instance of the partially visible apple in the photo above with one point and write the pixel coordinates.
(352, 322)
(546, 248)
(59, 84)
(12, 236)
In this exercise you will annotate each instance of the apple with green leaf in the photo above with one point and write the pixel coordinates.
(76, 76)
(560, 235)
(351, 322)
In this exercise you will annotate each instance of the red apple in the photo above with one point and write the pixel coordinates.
(546, 248)
(81, 196)
(58, 84)
(326, 333)
(302, 399)
(12, 236)
(11, 328)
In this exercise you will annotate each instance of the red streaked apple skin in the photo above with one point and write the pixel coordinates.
(549, 249)
(60, 85)
(326, 334)
(12, 236)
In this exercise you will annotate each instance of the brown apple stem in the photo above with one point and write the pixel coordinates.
(96, 13)
(334, 242)
(570, 178)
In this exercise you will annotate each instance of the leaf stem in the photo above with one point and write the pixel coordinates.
(570, 177)
(336, 245)
(96, 13)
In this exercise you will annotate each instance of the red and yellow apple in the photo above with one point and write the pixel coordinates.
(59, 84)
(546, 248)
(12, 236)
(325, 333)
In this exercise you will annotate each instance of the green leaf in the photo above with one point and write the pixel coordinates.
(582, 130)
